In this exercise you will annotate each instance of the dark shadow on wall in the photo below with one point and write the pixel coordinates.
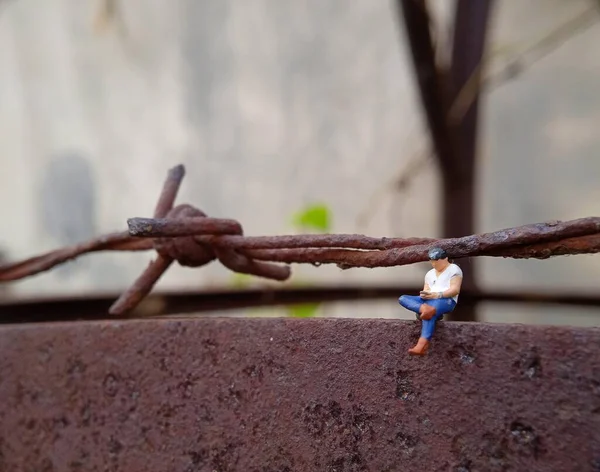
(67, 204)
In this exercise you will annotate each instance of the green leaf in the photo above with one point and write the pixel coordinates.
(304, 310)
(315, 217)
(241, 280)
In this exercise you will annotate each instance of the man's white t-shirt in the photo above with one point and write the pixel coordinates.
(442, 283)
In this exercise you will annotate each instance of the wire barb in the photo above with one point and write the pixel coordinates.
(188, 236)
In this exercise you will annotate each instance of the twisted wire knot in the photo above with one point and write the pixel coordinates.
(196, 243)
(186, 250)
(195, 246)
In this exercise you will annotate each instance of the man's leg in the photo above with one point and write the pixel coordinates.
(439, 308)
(428, 326)
(411, 302)
(416, 304)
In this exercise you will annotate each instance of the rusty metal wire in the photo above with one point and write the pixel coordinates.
(188, 236)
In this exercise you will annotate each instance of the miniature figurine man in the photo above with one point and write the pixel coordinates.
(438, 297)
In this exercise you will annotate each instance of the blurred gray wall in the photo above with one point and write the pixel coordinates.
(272, 105)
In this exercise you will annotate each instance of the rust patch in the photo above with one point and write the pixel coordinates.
(297, 395)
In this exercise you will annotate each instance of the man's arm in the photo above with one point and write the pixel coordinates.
(455, 283)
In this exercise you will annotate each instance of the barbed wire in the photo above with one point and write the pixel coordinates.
(188, 236)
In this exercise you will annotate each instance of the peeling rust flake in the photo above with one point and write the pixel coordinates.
(297, 395)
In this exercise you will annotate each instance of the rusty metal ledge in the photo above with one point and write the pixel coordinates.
(297, 395)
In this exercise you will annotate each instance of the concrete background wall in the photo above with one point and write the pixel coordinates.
(273, 105)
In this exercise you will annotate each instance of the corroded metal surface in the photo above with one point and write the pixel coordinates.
(297, 395)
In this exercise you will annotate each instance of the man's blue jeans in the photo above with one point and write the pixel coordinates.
(441, 305)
